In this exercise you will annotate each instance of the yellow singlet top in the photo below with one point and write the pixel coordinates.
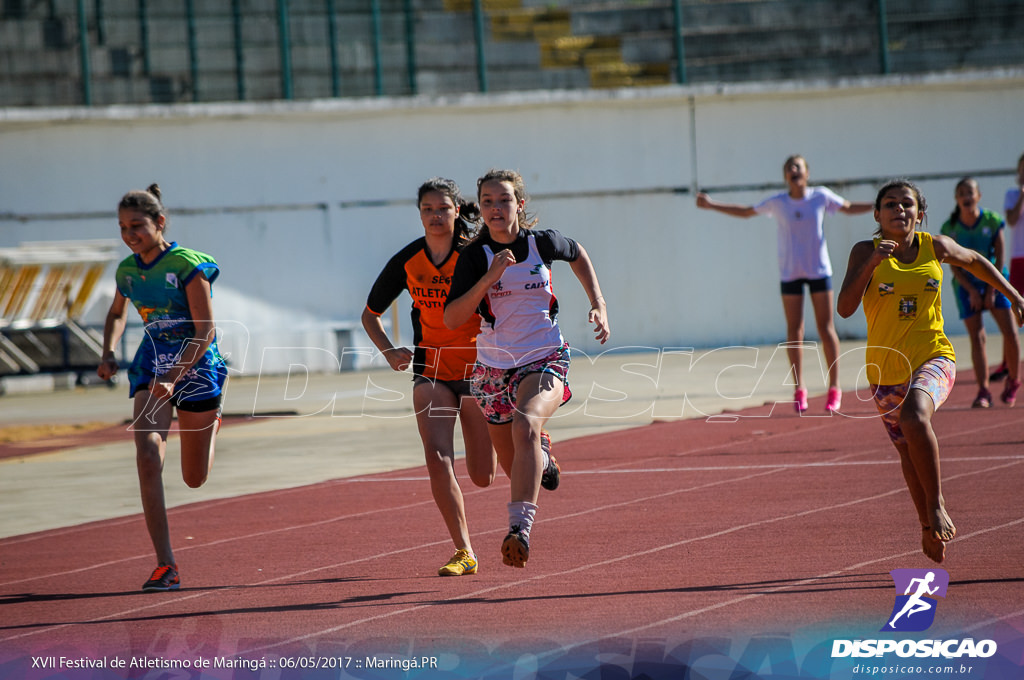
(903, 306)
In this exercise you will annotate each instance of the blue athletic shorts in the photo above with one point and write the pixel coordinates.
(202, 386)
(963, 300)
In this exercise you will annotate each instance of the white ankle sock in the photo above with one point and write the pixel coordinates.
(521, 514)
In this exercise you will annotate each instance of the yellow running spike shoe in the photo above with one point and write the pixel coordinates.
(462, 562)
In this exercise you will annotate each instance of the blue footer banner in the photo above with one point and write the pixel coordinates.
(994, 653)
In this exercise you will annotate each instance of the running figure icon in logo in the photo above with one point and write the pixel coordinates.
(924, 583)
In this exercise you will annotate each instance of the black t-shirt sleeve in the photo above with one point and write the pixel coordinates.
(470, 268)
(391, 281)
(551, 246)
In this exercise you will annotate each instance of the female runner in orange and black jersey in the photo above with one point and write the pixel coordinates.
(442, 359)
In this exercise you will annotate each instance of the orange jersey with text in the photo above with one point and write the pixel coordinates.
(440, 353)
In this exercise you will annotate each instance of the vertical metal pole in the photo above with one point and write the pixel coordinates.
(332, 40)
(236, 20)
(193, 49)
(83, 44)
(677, 12)
(378, 69)
(284, 34)
(478, 33)
(101, 36)
(410, 46)
(883, 37)
(144, 36)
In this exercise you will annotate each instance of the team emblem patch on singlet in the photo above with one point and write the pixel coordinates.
(932, 284)
(885, 289)
(498, 290)
(908, 308)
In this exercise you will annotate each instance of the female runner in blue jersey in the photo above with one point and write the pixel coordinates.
(177, 366)
(521, 372)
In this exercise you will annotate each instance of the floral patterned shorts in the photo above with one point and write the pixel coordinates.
(495, 389)
(935, 377)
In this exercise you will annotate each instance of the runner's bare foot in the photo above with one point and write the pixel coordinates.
(932, 547)
(942, 525)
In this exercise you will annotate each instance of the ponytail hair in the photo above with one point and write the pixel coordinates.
(147, 202)
(467, 221)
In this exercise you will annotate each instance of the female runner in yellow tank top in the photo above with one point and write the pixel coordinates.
(910, 362)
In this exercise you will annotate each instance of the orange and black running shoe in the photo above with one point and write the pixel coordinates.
(165, 577)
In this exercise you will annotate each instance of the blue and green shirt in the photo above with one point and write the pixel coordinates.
(157, 290)
(981, 236)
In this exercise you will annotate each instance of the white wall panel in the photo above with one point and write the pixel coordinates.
(302, 203)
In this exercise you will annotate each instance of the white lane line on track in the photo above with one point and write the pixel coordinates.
(802, 582)
(230, 539)
(306, 572)
(486, 591)
(998, 619)
(885, 447)
(378, 477)
(726, 468)
(196, 506)
(657, 549)
(991, 622)
(340, 518)
(770, 470)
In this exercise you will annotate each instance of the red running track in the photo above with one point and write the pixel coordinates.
(690, 544)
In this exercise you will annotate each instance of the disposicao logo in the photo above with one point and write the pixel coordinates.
(914, 611)
(915, 608)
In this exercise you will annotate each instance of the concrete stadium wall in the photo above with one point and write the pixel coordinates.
(303, 202)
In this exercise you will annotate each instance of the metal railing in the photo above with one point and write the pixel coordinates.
(336, 48)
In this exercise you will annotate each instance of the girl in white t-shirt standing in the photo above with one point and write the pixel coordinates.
(522, 361)
(803, 261)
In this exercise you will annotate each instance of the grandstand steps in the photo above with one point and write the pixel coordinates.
(529, 44)
(600, 55)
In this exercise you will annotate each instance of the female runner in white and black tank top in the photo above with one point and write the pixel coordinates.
(521, 372)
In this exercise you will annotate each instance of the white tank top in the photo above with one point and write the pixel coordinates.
(521, 304)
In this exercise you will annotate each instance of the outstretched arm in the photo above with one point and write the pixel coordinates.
(705, 201)
(583, 268)
(948, 250)
(856, 208)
